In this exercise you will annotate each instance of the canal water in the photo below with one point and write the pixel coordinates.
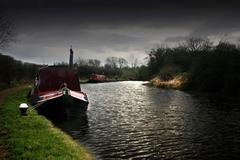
(128, 120)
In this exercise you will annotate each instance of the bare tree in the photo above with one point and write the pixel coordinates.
(81, 62)
(88, 62)
(112, 62)
(94, 62)
(122, 62)
(6, 30)
(194, 44)
(133, 61)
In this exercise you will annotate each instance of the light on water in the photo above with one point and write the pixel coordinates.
(127, 120)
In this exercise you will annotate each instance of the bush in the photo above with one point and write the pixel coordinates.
(208, 69)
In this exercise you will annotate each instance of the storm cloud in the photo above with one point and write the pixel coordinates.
(44, 35)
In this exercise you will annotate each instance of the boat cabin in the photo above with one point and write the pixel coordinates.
(53, 78)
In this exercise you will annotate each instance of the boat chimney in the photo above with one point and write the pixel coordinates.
(71, 58)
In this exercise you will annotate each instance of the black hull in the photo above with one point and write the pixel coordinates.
(96, 81)
(62, 107)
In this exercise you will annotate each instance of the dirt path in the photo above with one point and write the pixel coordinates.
(3, 95)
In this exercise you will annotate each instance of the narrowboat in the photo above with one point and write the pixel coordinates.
(57, 90)
(95, 78)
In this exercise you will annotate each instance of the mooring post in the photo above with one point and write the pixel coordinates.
(23, 109)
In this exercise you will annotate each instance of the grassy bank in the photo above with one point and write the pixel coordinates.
(177, 82)
(210, 68)
(33, 136)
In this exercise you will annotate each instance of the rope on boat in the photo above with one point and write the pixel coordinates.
(39, 104)
(35, 106)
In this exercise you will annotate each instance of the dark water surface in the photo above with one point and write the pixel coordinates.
(127, 120)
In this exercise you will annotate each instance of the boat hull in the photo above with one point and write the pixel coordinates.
(62, 106)
(56, 91)
(64, 102)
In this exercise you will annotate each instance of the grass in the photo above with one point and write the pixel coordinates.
(33, 136)
(177, 82)
(83, 81)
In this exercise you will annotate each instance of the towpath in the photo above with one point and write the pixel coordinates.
(3, 95)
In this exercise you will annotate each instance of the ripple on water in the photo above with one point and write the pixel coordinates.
(127, 120)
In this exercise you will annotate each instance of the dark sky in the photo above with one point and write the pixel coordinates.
(98, 29)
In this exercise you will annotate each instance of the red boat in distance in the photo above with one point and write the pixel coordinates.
(57, 89)
(94, 78)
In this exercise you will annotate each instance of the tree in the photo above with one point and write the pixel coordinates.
(122, 62)
(94, 62)
(112, 62)
(81, 62)
(6, 30)
(13, 71)
(7, 69)
(196, 44)
(88, 62)
(226, 47)
(133, 61)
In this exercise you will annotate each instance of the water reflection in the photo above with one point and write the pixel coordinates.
(77, 126)
(127, 120)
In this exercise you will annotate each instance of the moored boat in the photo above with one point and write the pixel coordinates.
(95, 78)
(57, 89)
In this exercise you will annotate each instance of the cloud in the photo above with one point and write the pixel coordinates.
(98, 32)
(176, 39)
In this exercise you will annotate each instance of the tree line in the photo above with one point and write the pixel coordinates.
(204, 66)
(114, 67)
(14, 72)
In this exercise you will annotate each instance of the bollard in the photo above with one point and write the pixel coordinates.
(23, 109)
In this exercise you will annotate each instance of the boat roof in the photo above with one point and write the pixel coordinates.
(52, 78)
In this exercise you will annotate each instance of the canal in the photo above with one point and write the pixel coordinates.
(128, 120)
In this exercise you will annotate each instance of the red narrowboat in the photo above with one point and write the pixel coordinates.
(97, 78)
(57, 89)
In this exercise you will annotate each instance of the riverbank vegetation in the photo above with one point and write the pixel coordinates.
(14, 72)
(33, 136)
(114, 68)
(197, 65)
